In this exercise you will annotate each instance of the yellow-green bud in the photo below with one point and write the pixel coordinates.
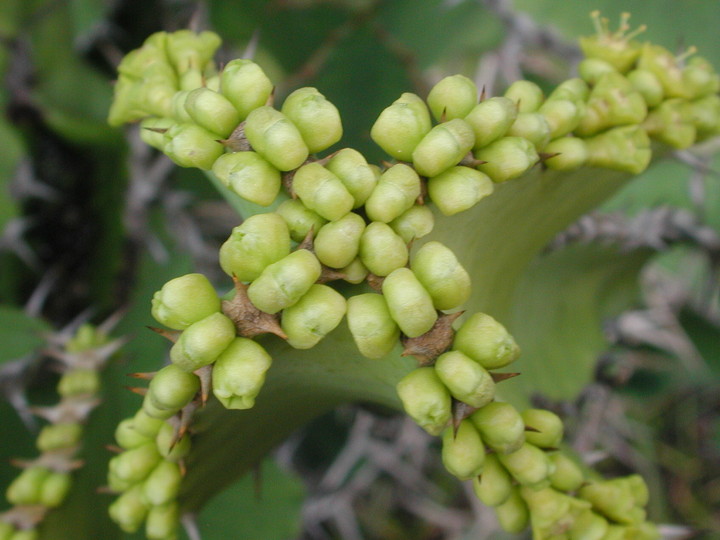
(638, 488)
(249, 175)
(531, 126)
(276, 138)
(258, 242)
(550, 510)
(190, 145)
(338, 242)
(490, 119)
(567, 475)
(562, 116)
(189, 50)
(486, 341)
(167, 444)
(355, 272)
(425, 399)
(162, 522)
(245, 85)
(513, 514)
(299, 219)
(77, 382)
(443, 147)
(201, 342)
(494, 486)
(613, 102)
(185, 300)
(705, 114)
(549, 428)
(283, 283)
(458, 189)
(313, 317)
(26, 487)
(588, 525)
(410, 305)
(453, 97)
(463, 452)
(127, 436)
(146, 425)
(129, 510)
(624, 148)
(616, 48)
(670, 123)
(527, 95)
(571, 153)
(55, 488)
(58, 436)
(163, 483)
(401, 126)
(179, 113)
(529, 465)
(466, 380)
(239, 373)
(700, 78)
(592, 69)
(354, 172)
(507, 158)
(135, 464)
(442, 275)
(212, 111)
(172, 388)
(648, 85)
(322, 191)
(150, 54)
(415, 222)
(374, 331)
(501, 426)
(381, 250)
(316, 118)
(576, 90)
(396, 192)
(613, 499)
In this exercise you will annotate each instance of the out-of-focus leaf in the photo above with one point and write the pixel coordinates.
(19, 333)
(705, 337)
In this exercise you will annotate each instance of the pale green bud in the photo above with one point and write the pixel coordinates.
(700, 78)
(490, 119)
(163, 483)
(501, 426)
(648, 85)
(190, 145)
(616, 48)
(276, 138)
(548, 424)
(613, 102)
(463, 452)
(442, 275)
(146, 425)
(189, 50)
(167, 444)
(458, 189)
(494, 486)
(663, 64)
(150, 136)
(624, 148)
(526, 94)
(135, 464)
(25, 489)
(78, 382)
(466, 380)
(567, 475)
(381, 250)
(562, 116)
(638, 488)
(486, 341)
(245, 85)
(212, 111)
(529, 465)
(256, 243)
(249, 175)
(127, 436)
(239, 373)
(150, 54)
(670, 124)
(550, 510)
(374, 331)
(316, 118)
(322, 191)
(58, 436)
(507, 158)
(283, 283)
(185, 300)
(162, 522)
(401, 126)
(592, 69)
(299, 219)
(172, 388)
(129, 510)
(396, 192)
(705, 114)
(338, 242)
(201, 342)
(572, 154)
(55, 488)
(425, 399)
(513, 514)
(588, 525)
(531, 126)
(613, 499)
(576, 90)
(453, 97)
(410, 305)
(416, 222)
(443, 147)
(354, 172)
(313, 317)
(355, 272)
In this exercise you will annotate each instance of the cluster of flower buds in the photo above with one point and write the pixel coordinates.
(46, 480)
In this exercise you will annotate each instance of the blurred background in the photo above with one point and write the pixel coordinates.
(92, 222)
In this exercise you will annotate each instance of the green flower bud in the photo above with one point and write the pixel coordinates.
(550, 510)
(529, 465)
(507, 158)
(187, 49)
(212, 111)
(562, 116)
(299, 219)
(415, 222)
(322, 191)
(283, 283)
(613, 499)
(26, 487)
(613, 102)
(86, 337)
(138, 61)
(355, 272)
(313, 317)
(575, 90)
(501, 426)
(245, 85)
(410, 305)
(425, 399)
(494, 486)
(616, 48)
(486, 341)
(54, 489)
(401, 126)
(549, 428)
(567, 475)
(705, 114)
(316, 118)
(526, 94)
(463, 452)
(338, 242)
(443, 147)
(533, 127)
(374, 331)
(59, 436)
(396, 192)
(442, 275)
(490, 119)
(172, 388)
(692, 81)
(670, 124)
(647, 85)
(127, 436)
(129, 510)
(458, 189)
(588, 526)
(149, 133)
(571, 153)
(592, 69)
(167, 444)
(354, 172)
(79, 382)
(162, 522)
(190, 145)
(163, 483)
(513, 514)
(381, 250)
(249, 175)
(185, 300)
(276, 138)
(258, 242)
(134, 465)
(179, 113)
(466, 380)
(239, 373)
(625, 149)
(145, 425)
(700, 78)
(453, 97)
(202, 342)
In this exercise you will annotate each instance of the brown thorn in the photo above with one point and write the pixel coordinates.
(270, 101)
(172, 335)
(140, 391)
(309, 241)
(532, 429)
(428, 346)
(500, 377)
(482, 94)
(544, 156)
(114, 448)
(144, 376)
(205, 375)
(460, 412)
(186, 415)
(375, 281)
(387, 164)
(443, 116)
(183, 467)
(324, 160)
(156, 130)
(105, 490)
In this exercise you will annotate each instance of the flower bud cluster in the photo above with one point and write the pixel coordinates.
(45, 481)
